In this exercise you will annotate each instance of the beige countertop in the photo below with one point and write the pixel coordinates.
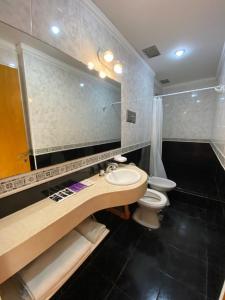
(27, 233)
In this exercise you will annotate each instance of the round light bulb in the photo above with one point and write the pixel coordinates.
(180, 52)
(108, 56)
(90, 66)
(118, 68)
(102, 74)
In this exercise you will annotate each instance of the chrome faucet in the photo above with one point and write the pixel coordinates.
(111, 167)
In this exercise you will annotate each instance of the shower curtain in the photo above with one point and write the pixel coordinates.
(156, 164)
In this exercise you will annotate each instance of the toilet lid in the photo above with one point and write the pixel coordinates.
(164, 182)
(153, 199)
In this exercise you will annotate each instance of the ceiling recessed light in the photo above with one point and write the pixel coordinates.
(193, 95)
(198, 101)
(180, 52)
(81, 84)
(55, 29)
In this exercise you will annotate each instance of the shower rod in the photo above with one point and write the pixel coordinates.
(217, 88)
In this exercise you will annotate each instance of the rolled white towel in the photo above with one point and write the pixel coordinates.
(47, 271)
(91, 229)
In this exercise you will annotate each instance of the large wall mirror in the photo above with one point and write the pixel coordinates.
(52, 108)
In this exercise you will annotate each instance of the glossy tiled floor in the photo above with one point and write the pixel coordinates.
(183, 260)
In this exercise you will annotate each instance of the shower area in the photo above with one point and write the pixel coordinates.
(193, 134)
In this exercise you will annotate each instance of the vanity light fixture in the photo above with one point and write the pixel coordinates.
(90, 66)
(55, 29)
(118, 68)
(180, 52)
(102, 74)
(106, 58)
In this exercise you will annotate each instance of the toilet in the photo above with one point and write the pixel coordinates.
(149, 206)
(162, 185)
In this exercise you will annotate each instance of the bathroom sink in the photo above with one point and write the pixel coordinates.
(123, 177)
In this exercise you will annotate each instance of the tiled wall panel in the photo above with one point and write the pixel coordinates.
(83, 31)
(218, 138)
(82, 34)
(16, 13)
(189, 118)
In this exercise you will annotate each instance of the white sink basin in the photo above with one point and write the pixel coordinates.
(123, 177)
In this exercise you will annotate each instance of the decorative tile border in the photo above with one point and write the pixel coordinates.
(72, 146)
(22, 182)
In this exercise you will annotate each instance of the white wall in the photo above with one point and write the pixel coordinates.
(186, 117)
(83, 30)
(218, 138)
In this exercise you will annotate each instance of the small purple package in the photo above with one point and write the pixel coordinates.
(76, 187)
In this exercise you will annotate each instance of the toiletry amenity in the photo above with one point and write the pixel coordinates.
(72, 189)
(77, 186)
(120, 158)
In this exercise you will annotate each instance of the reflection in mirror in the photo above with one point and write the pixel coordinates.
(67, 111)
(14, 150)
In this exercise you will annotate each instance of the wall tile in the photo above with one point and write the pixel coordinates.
(16, 13)
(218, 138)
(82, 33)
(187, 117)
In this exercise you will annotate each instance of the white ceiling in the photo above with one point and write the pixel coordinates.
(195, 25)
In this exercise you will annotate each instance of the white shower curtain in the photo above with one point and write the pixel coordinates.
(156, 165)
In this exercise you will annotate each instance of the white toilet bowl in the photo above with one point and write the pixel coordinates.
(162, 185)
(147, 212)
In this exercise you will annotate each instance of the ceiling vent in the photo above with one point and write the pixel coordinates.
(151, 51)
(164, 81)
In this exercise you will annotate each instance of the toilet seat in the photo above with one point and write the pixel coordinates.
(163, 183)
(153, 199)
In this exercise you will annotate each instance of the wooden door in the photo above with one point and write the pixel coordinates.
(14, 151)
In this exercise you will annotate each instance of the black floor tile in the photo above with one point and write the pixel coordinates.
(215, 280)
(216, 214)
(140, 280)
(128, 235)
(186, 269)
(192, 199)
(188, 209)
(157, 254)
(117, 294)
(111, 259)
(216, 246)
(173, 290)
(89, 285)
(185, 233)
(111, 221)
